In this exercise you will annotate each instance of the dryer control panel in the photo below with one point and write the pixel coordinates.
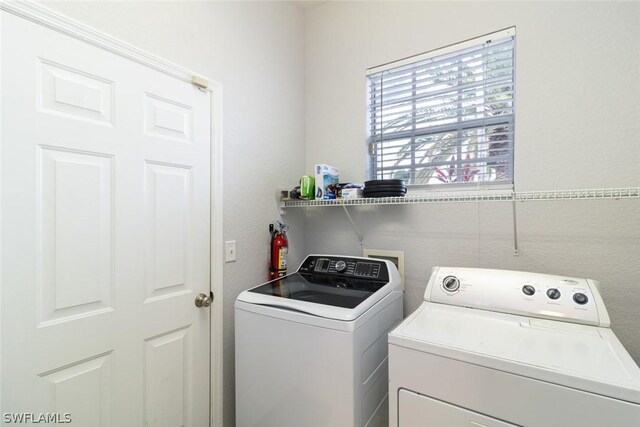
(547, 296)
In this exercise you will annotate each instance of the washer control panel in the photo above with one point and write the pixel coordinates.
(346, 266)
(529, 294)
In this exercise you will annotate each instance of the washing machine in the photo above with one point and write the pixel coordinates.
(503, 348)
(311, 347)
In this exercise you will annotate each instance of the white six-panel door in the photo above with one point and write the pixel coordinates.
(105, 235)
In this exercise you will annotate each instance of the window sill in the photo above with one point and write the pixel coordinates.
(422, 189)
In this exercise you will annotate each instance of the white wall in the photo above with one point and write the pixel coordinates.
(255, 49)
(578, 103)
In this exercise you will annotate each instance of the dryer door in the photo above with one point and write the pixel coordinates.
(418, 410)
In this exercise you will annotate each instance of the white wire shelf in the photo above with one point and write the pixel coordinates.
(476, 196)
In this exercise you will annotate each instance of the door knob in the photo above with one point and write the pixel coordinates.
(204, 300)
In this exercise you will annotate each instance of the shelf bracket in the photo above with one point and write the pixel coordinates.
(516, 251)
(355, 229)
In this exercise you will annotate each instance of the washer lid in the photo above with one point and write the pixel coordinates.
(340, 298)
(583, 357)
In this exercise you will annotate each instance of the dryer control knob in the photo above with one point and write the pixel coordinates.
(451, 283)
(580, 298)
(341, 266)
(528, 290)
(553, 293)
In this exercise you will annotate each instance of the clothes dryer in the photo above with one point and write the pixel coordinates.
(503, 348)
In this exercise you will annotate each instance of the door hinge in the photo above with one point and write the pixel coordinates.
(372, 149)
(199, 82)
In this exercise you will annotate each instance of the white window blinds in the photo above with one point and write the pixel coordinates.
(445, 117)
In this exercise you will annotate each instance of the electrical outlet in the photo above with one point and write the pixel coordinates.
(230, 251)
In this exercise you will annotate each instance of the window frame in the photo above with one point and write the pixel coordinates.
(476, 124)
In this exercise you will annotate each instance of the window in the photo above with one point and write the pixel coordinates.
(445, 117)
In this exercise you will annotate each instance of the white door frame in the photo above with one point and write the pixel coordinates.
(41, 15)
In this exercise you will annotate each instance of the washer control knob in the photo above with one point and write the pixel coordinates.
(528, 290)
(451, 283)
(341, 266)
(580, 298)
(553, 293)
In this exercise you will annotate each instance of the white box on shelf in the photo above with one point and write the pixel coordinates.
(351, 193)
(327, 178)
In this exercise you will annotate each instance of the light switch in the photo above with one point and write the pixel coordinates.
(230, 251)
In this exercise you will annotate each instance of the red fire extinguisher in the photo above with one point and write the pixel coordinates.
(278, 252)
